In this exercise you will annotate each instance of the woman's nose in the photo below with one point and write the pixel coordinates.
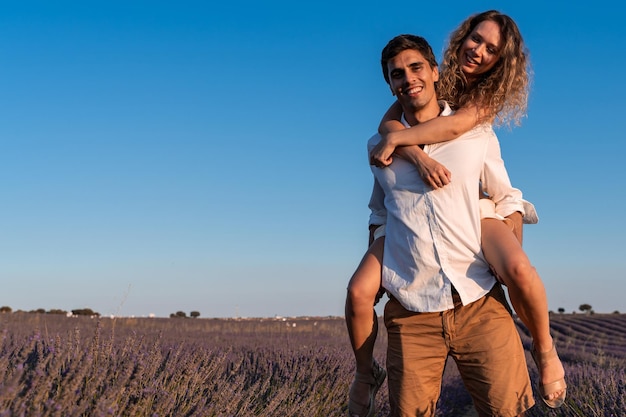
(479, 49)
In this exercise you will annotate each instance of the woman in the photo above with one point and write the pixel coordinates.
(484, 76)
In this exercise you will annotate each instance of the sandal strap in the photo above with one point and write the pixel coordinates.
(365, 378)
(553, 387)
(379, 373)
(546, 355)
(550, 388)
(374, 379)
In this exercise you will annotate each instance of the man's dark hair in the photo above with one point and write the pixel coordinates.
(403, 42)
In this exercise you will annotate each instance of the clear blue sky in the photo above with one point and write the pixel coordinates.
(210, 156)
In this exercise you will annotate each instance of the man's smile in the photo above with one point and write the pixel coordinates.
(413, 91)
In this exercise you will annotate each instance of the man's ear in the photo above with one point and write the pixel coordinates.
(436, 74)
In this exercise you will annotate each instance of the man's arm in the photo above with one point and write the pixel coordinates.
(378, 212)
(378, 218)
(496, 183)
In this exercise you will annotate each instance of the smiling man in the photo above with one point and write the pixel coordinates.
(443, 300)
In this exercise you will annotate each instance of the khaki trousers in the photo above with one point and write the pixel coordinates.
(482, 339)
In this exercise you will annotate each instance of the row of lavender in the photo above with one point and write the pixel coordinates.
(59, 366)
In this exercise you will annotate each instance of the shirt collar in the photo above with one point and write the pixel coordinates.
(446, 111)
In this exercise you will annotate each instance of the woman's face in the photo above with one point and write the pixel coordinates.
(481, 50)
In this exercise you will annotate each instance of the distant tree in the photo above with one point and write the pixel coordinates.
(40, 311)
(5, 309)
(195, 314)
(57, 311)
(181, 314)
(616, 312)
(84, 312)
(561, 310)
(585, 308)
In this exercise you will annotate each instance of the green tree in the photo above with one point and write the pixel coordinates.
(195, 314)
(585, 308)
(5, 309)
(561, 310)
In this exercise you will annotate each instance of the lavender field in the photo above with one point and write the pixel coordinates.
(52, 365)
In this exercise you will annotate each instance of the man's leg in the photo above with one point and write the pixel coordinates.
(416, 356)
(489, 354)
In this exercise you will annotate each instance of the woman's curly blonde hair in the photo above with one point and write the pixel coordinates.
(501, 93)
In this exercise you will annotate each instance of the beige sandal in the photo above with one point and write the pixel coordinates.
(550, 388)
(375, 381)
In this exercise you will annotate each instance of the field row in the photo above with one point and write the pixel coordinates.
(59, 366)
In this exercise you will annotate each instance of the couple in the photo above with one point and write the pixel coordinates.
(441, 242)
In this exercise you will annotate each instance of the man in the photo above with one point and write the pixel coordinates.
(443, 298)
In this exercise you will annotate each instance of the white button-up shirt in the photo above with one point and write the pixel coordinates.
(433, 236)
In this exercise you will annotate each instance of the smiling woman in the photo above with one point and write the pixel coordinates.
(480, 51)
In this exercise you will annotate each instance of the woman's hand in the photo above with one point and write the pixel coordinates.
(432, 172)
(380, 155)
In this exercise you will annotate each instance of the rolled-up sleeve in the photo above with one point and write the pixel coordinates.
(496, 183)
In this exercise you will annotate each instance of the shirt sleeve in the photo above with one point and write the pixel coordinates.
(378, 215)
(496, 183)
(378, 212)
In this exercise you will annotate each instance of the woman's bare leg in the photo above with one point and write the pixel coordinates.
(360, 315)
(526, 290)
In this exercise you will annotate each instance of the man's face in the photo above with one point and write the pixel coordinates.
(480, 50)
(412, 80)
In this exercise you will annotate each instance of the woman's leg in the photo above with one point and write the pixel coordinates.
(361, 318)
(528, 295)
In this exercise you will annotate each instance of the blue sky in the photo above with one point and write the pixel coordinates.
(164, 156)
